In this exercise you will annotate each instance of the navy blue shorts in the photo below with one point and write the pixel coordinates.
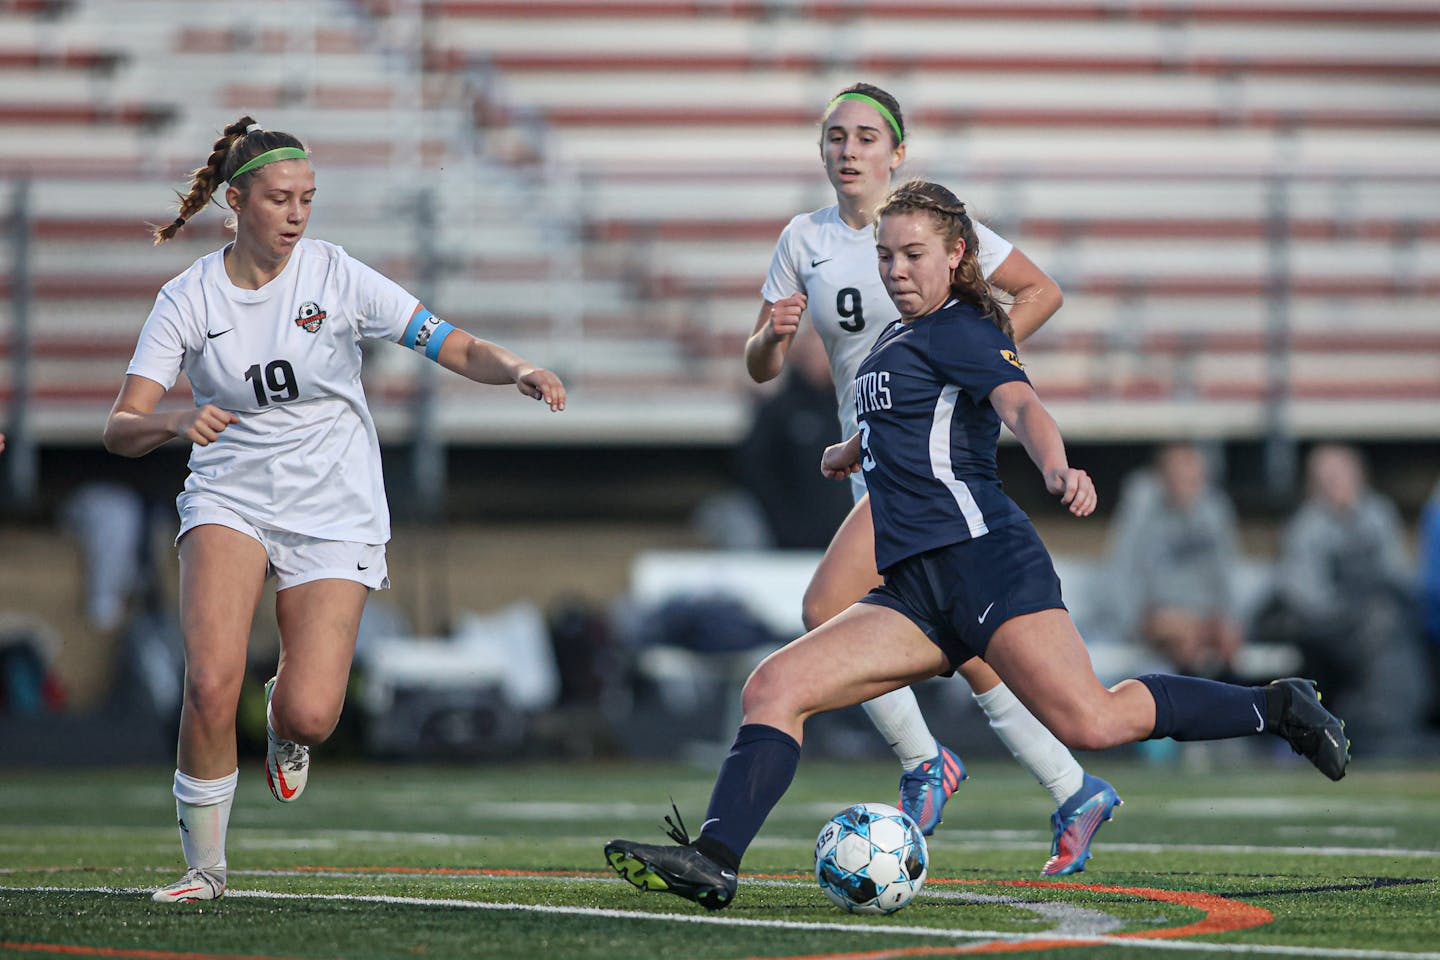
(959, 594)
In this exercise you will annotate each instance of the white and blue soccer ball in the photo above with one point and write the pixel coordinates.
(871, 858)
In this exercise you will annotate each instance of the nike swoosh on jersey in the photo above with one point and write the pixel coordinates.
(1261, 727)
(986, 613)
(212, 336)
(816, 263)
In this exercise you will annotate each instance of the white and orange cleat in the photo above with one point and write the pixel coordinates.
(195, 886)
(287, 763)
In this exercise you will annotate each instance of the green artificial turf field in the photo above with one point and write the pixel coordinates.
(1247, 859)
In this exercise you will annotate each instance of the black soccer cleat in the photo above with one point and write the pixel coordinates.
(681, 870)
(1312, 731)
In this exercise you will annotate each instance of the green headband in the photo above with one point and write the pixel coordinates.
(274, 156)
(863, 98)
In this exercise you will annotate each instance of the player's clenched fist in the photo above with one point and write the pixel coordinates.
(205, 424)
(785, 316)
(841, 459)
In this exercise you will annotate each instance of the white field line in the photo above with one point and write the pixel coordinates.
(1340, 953)
(972, 840)
(1298, 851)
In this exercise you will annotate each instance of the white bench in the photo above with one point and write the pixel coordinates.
(771, 584)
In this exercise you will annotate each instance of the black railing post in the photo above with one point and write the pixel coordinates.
(1280, 453)
(21, 460)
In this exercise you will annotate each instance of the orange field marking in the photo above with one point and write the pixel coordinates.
(455, 871)
(1222, 915)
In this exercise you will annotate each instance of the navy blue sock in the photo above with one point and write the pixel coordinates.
(1189, 708)
(753, 778)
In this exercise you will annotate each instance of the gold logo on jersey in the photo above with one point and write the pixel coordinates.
(1012, 358)
(310, 317)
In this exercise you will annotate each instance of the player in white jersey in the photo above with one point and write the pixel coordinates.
(285, 475)
(825, 262)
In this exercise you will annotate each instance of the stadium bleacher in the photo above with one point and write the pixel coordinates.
(1237, 196)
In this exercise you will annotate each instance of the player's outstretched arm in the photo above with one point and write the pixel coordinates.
(1021, 410)
(133, 428)
(486, 362)
(774, 331)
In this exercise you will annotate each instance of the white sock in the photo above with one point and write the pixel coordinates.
(203, 809)
(898, 718)
(270, 727)
(1032, 743)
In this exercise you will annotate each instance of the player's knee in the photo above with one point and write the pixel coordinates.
(211, 696)
(1088, 729)
(304, 725)
(765, 691)
(818, 606)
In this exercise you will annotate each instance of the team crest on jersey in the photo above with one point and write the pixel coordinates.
(1012, 358)
(310, 317)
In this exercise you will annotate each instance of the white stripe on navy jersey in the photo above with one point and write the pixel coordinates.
(929, 431)
(942, 464)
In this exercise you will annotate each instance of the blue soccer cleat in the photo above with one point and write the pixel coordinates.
(924, 790)
(1075, 825)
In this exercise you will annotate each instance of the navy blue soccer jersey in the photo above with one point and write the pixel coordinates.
(928, 432)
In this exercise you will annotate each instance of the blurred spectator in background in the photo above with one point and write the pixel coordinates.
(28, 684)
(1173, 545)
(1430, 595)
(782, 501)
(779, 459)
(110, 522)
(1344, 595)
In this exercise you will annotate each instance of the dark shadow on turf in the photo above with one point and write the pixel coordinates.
(1374, 883)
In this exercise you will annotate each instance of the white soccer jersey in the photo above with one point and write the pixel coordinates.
(834, 265)
(285, 359)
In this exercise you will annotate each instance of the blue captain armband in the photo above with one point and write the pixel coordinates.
(426, 333)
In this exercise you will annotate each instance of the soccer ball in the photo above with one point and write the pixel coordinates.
(871, 858)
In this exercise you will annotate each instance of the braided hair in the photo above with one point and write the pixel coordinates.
(953, 223)
(238, 144)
